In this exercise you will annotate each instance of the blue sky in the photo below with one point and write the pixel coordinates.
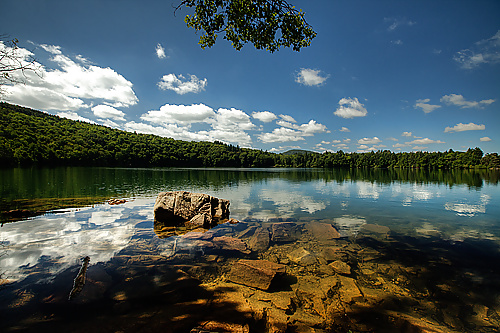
(397, 75)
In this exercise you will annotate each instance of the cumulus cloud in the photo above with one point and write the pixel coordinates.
(175, 121)
(179, 114)
(486, 51)
(168, 130)
(160, 51)
(408, 134)
(344, 129)
(264, 116)
(106, 111)
(181, 84)
(72, 81)
(424, 141)
(288, 118)
(464, 127)
(369, 141)
(292, 132)
(350, 108)
(310, 77)
(485, 139)
(459, 100)
(423, 104)
(281, 134)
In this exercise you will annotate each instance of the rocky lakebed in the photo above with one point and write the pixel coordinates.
(204, 272)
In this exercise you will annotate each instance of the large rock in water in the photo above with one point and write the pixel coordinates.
(198, 208)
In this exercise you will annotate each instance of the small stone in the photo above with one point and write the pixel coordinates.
(349, 291)
(302, 257)
(341, 267)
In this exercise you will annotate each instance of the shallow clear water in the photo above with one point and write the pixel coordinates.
(422, 210)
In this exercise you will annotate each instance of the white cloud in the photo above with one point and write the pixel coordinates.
(485, 139)
(160, 51)
(66, 86)
(281, 134)
(459, 100)
(42, 98)
(106, 111)
(408, 134)
(288, 118)
(424, 141)
(397, 42)
(394, 23)
(181, 84)
(292, 132)
(227, 125)
(419, 148)
(310, 77)
(312, 127)
(54, 49)
(369, 141)
(464, 127)
(264, 116)
(486, 51)
(180, 114)
(344, 129)
(423, 104)
(74, 116)
(399, 145)
(227, 119)
(350, 108)
(168, 130)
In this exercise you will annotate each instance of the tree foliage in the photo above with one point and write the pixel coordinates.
(267, 24)
(29, 137)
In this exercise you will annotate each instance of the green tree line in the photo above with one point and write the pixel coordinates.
(29, 137)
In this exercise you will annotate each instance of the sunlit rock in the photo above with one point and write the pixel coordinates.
(340, 267)
(181, 206)
(255, 273)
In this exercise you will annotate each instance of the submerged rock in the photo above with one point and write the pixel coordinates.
(340, 267)
(255, 273)
(283, 232)
(260, 240)
(302, 257)
(322, 231)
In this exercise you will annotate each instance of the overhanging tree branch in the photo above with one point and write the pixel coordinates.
(267, 24)
(15, 63)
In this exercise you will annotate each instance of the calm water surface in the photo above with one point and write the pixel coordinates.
(40, 257)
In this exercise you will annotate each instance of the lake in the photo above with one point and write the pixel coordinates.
(365, 250)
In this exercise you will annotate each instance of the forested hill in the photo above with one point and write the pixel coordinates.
(30, 137)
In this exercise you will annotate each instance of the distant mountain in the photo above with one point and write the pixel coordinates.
(298, 151)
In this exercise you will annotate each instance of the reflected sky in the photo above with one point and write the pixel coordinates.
(422, 209)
